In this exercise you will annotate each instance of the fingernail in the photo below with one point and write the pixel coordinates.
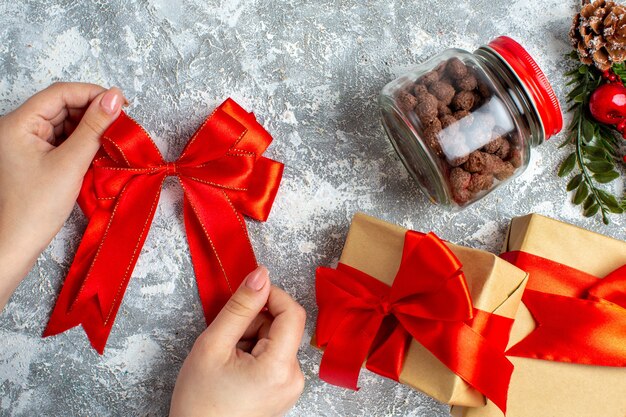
(111, 101)
(257, 279)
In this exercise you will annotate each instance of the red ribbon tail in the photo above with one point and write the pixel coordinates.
(220, 250)
(574, 331)
(346, 324)
(355, 334)
(97, 334)
(63, 317)
(90, 320)
(102, 267)
(387, 357)
(580, 318)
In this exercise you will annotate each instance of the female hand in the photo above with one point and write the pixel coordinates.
(46, 146)
(245, 364)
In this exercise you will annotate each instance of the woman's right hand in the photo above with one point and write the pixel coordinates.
(245, 363)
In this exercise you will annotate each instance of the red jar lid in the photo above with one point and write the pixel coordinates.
(534, 80)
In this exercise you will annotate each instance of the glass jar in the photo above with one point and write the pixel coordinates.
(464, 123)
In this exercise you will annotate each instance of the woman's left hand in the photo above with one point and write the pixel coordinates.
(46, 147)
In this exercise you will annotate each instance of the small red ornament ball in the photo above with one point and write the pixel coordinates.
(607, 104)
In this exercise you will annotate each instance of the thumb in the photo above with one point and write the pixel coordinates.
(241, 309)
(81, 146)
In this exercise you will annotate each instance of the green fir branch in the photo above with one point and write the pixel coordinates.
(594, 160)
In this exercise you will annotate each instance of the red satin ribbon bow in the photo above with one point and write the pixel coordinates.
(362, 318)
(580, 318)
(223, 176)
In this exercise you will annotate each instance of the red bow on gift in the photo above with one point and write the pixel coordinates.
(580, 318)
(361, 317)
(223, 176)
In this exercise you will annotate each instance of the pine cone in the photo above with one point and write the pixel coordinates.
(598, 33)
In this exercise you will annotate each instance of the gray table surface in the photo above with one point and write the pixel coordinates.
(311, 71)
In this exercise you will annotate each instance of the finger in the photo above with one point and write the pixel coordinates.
(68, 115)
(239, 312)
(246, 345)
(58, 133)
(260, 347)
(74, 117)
(287, 327)
(259, 327)
(82, 145)
(258, 330)
(63, 130)
(57, 125)
(51, 101)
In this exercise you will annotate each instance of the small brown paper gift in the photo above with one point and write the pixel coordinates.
(541, 388)
(376, 247)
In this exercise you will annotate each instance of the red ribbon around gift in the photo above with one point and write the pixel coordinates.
(580, 318)
(362, 318)
(223, 176)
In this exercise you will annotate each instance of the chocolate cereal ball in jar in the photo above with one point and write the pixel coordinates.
(464, 123)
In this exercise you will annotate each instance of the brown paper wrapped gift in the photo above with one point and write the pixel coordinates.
(542, 388)
(375, 248)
